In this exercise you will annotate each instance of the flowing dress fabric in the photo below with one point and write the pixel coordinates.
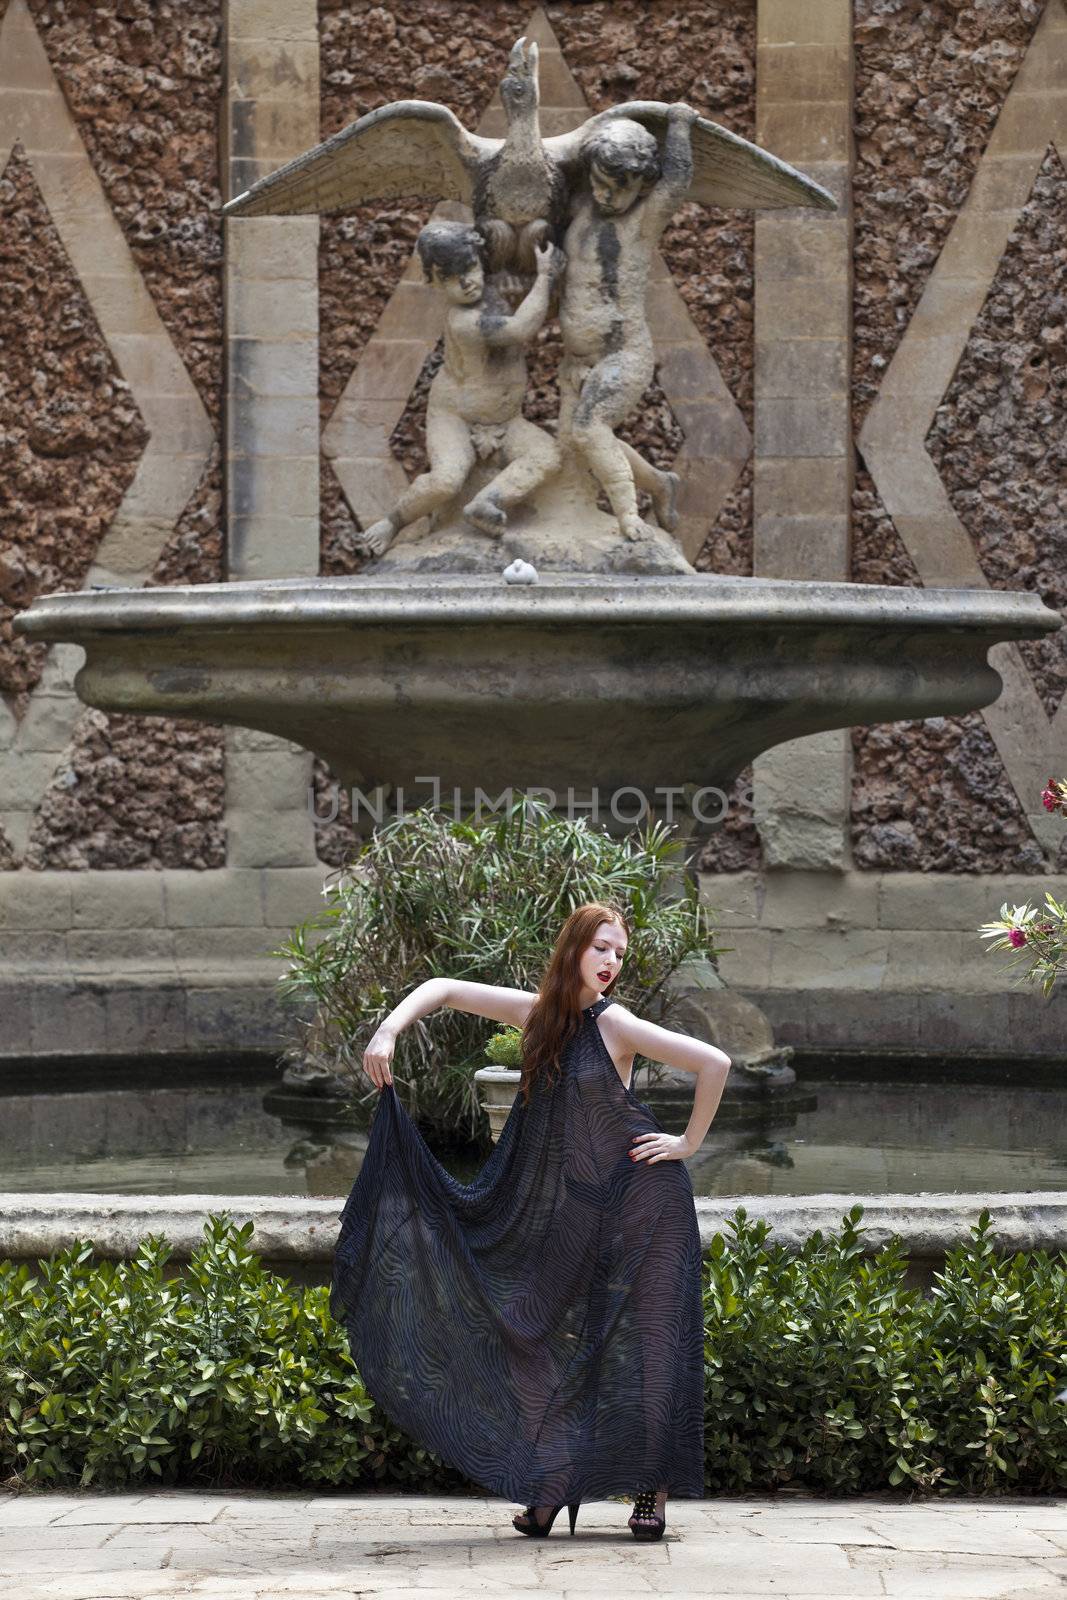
(541, 1328)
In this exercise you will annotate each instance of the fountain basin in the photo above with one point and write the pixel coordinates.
(574, 680)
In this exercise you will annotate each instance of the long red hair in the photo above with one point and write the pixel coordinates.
(556, 1015)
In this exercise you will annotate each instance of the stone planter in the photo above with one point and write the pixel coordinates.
(497, 1088)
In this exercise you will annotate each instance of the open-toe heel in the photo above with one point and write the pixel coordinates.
(645, 1506)
(540, 1530)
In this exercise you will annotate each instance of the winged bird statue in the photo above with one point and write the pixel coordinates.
(417, 147)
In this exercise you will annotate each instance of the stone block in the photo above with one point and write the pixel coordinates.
(803, 22)
(204, 946)
(733, 898)
(274, 424)
(939, 900)
(90, 949)
(802, 486)
(786, 71)
(117, 310)
(714, 430)
(940, 547)
(117, 899)
(388, 369)
(273, 129)
(414, 311)
(885, 1020)
(292, 896)
(1003, 182)
(47, 724)
(839, 958)
(180, 427)
(271, 839)
(926, 960)
(801, 547)
(796, 425)
(274, 366)
(30, 900)
(803, 246)
(747, 963)
(924, 363)
(145, 1020)
(792, 309)
(264, 25)
(372, 487)
(270, 249)
(75, 1024)
(258, 780)
(270, 308)
(231, 898)
(668, 315)
(236, 1018)
(686, 371)
(265, 547)
(806, 368)
(16, 1020)
(280, 486)
(958, 1023)
(1026, 121)
(148, 362)
(27, 774)
(800, 131)
(793, 898)
(359, 430)
(290, 67)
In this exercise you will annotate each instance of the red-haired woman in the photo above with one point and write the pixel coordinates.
(541, 1328)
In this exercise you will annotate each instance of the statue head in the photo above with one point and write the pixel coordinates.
(621, 160)
(519, 90)
(452, 255)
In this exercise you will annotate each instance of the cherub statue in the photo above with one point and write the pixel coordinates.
(474, 408)
(608, 357)
(608, 185)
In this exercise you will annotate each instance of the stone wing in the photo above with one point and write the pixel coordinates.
(411, 147)
(727, 170)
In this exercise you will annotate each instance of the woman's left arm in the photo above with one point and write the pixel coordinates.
(710, 1065)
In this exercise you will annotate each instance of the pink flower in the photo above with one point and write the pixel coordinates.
(1016, 938)
(1049, 797)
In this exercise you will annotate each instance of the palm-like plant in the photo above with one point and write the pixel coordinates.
(432, 896)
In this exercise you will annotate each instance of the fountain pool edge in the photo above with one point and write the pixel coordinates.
(302, 1230)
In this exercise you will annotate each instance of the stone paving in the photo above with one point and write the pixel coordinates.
(87, 1545)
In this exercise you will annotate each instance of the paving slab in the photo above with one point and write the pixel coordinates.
(95, 1545)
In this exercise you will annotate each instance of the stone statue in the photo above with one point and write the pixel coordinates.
(474, 408)
(604, 193)
(608, 357)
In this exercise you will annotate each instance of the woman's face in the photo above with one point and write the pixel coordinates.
(603, 959)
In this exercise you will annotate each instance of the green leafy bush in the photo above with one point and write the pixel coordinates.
(505, 1048)
(430, 896)
(822, 1372)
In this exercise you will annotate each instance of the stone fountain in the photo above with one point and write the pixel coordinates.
(526, 618)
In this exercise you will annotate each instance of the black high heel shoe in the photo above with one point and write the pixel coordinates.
(540, 1530)
(645, 1506)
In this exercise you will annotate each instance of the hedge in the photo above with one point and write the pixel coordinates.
(823, 1372)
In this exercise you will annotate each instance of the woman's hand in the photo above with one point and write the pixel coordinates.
(378, 1056)
(653, 1147)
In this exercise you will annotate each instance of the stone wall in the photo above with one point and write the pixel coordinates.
(140, 84)
(891, 411)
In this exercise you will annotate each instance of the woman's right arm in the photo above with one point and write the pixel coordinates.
(480, 999)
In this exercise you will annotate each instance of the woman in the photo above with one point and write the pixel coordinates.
(541, 1328)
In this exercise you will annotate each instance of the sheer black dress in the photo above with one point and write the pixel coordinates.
(541, 1328)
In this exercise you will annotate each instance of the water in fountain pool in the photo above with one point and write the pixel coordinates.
(873, 1126)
